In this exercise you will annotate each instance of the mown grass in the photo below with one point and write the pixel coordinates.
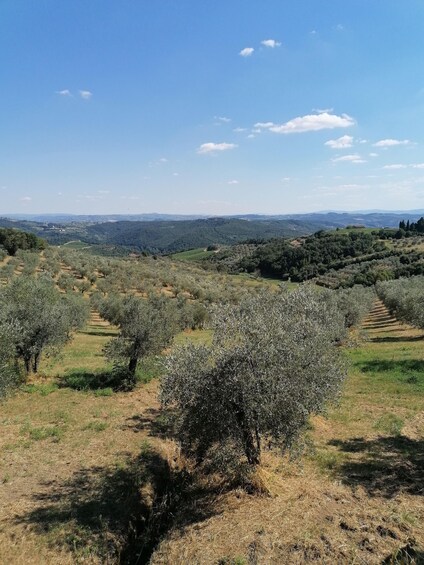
(383, 396)
(72, 475)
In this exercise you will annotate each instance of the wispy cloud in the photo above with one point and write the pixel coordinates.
(239, 130)
(233, 182)
(391, 142)
(64, 92)
(223, 119)
(353, 158)
(85, 94)
(264, 125)
(271, 43)
(210, 148)
(418, 166)
(341, 143)
(25, 199)
(394, 167)
(310, 122)
(246, 52)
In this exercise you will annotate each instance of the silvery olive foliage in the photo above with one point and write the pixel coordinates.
(272, 362)
(9, 371)
(45, 317)
(353, 303)
(146, 327)
(404, 299)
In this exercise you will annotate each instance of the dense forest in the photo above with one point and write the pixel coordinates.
(161, 237)
(12, 239)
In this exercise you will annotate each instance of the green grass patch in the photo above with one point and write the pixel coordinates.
(192, 255)
(390, 424)
(201, 337)
(96, 426)
(41, 389)
(42, 432)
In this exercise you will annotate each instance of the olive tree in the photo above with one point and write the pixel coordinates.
(46, 317)
(146, 327)
(404, 299)
(9, 371)
(271, 364)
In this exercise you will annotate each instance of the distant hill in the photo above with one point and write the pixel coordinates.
(158, 235)
(166, 236)
(327, 219)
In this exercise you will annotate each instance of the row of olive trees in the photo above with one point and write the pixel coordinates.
(352, 303)
(404, 299)
(35, 318)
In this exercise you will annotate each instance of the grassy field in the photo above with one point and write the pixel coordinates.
(93, 475)
(192, 254)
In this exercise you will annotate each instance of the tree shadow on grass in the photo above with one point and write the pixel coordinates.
(80, 379)
(398, 339)
(119, 514)
(389, 465)
(401, 365)
(157, 422)
(406, 555)
(99, 333)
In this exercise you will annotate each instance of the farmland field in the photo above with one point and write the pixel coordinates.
(77, 469)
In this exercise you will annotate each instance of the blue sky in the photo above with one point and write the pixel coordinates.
(211, 107)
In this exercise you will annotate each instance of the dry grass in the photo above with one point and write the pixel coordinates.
(357, 495)
(78, 481)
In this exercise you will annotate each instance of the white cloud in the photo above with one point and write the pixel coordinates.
(394, 167)
(25, 199)
(239, 130)
(271, 43)
(418, 166)
(233, 182)
(223, 119)
(285, 179)
(163, 160)
(175, 174)
(264, 125)
(341, 143)
(246, 52)
(64, 92)
(85, 94)
(354, 158)
(251, 136)
(373, 154)
(314, 122)
(215, 147)
(391, 142)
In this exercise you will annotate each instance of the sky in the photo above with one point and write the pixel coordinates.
(211, 106)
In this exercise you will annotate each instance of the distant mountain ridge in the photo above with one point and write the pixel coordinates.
(369, 218)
